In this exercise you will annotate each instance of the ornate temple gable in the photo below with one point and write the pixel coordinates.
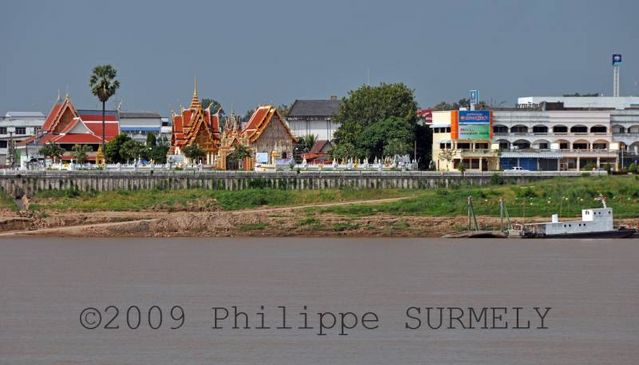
(274, 136)
(77, 127)
(263, 117)
(60, 117)
(196, 125)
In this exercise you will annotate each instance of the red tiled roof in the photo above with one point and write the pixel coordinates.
(257, 118)
(111, 130)
(260, 120)
(186, 118)
(98, 117)
(84, 138)
(318, 146)
(53, 115)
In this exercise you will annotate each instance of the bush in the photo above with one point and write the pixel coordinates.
(632, 168)
(589, 166)
(496, 179)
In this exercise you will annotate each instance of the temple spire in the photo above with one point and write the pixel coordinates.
(195, 101)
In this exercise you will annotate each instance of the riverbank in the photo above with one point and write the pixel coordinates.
(329, 212)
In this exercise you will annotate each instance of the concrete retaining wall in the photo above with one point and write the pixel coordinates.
(17, 184)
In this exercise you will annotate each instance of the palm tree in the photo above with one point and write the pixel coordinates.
(103, 85)
(80, 152)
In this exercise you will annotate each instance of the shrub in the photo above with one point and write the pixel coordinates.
(496, 179)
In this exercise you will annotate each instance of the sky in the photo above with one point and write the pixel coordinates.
(245, 53)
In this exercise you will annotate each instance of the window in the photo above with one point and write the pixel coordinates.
(21, 130)
(3, 130)
(3, 144)
(543, 146)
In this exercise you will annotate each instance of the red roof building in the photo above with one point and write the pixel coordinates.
(195, 125)
(67, 126)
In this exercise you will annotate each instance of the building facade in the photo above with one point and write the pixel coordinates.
(557, 140)
(314, 117)
(266, 136)
(543, 134)
(16, 127)
(138, 124)
(67, 126)
(459, 141)
(195, 125)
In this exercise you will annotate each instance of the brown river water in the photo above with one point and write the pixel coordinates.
(54, 291)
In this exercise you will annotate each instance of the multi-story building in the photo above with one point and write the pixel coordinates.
(546, 133)
(138, 124)
(554, 139)
(463, 138)
(16, 127)
(314, 117)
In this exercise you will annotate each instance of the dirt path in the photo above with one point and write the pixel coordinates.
(113, 226)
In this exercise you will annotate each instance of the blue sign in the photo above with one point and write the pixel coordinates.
(474, 117)
(616, 59)
(474, 96)
(474, 125)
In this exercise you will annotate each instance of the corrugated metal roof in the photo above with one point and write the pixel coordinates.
(153, 115)
(24, 115)
(314, 108)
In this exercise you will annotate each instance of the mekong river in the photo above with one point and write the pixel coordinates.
(588, 291)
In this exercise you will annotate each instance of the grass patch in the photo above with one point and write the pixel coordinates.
(7, 202)
(563, 195)
(199, 199)
(252, 227)
(346, 226)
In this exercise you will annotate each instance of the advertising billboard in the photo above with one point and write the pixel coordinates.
(474, 125)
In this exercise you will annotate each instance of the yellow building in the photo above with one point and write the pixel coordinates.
(463, 138)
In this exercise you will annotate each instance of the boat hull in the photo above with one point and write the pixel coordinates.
(619, 233)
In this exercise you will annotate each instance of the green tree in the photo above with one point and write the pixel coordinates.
(131, 150)
(240, 152)
(344, 150)
(158, 150)
(193, 152)
(112, 151)
(214, 104)
(104, 85)
(462, 103)
(370, 111)
(247, 115)
(386, 138)
(52, 150)
(80, 152)
(283, 109)
(151, 140)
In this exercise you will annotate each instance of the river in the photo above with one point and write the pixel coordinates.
(584, 294)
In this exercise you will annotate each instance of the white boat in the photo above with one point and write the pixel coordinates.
(594, 223)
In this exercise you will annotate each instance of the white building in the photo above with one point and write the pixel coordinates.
(554, 139)
(138, 124)
(314, 117)
(581, 102)
(16, 127)
(543, 133)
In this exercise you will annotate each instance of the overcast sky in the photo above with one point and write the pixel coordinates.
(246, 53)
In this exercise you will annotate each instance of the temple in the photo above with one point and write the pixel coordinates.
(267, 137)
(195, 125)
(265, 140)
(67, 126)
